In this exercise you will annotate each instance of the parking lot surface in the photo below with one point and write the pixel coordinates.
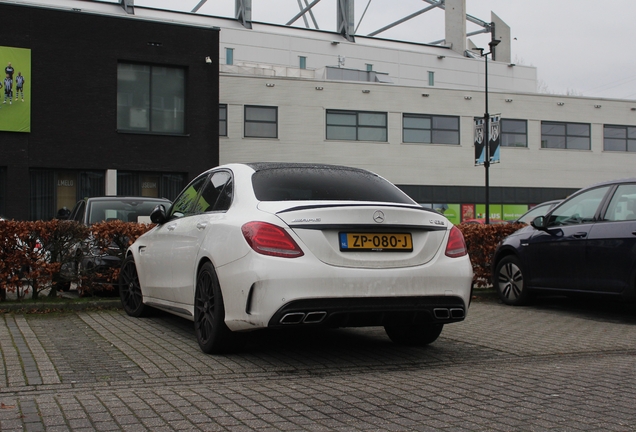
(559, 365)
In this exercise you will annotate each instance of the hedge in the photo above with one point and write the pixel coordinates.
(32, 254)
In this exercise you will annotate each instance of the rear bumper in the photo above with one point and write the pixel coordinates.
(365, 312)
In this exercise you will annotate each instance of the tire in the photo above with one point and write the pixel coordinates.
(130, 290)
(414, 335)
(211, 332)
(509, 281)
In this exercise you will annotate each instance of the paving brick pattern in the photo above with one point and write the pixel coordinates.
(554, 366)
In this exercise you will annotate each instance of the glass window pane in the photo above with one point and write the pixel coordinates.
(614, 144)
(552, 129)
(578, 143)
(371, 134)
(341, 133)
(341, 119)
(417, 136)
(631, 132)
(556, 142)
(168, 99)
(578, 129)
(513, 140)
(579, 209)
(446, 122)
(445, 137)
(623, 204)
(260, 130)
(515, 126)
(372, 119)
(133, 97)
(260, 113)
(614, 132)
(631, 145)
(417, 122)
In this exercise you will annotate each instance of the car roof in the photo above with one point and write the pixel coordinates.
(124, 198)
(260, 166)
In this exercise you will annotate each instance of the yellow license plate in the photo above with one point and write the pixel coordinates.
(376, 242)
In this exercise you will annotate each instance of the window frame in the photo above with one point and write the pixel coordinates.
(567, 137)
(152, 111)
(433, 130)
(626, 140)
(247, 121)
(223, 121)
(503, 133)
(358, 126)
(229, 56)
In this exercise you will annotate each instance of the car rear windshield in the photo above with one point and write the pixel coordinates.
(124, 210)
(329, 184)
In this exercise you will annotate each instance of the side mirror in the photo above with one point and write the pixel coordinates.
(539, 222)
(158, 215)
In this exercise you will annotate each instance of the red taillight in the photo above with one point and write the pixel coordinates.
(268, 239)
(456, 246)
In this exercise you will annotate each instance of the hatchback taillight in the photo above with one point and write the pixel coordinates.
(456, 246)
(268, 239)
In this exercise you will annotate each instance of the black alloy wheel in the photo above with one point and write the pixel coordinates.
(211, 332)
(509, 282)
(414, 335)
(130, 290)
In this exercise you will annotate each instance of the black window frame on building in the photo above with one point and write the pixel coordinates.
(512, 136)
(349, 125)
(223, 120)
(438, 130)
(153, 104)
(256, 126)
(622, 138)
(44, 187)
(563, 135)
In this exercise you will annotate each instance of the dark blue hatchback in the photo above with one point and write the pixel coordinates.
(586, 244)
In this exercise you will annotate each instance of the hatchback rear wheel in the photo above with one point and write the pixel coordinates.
(509, 281)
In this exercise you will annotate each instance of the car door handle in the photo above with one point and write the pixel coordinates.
(171, 227)
(580, 235)
(201, 225)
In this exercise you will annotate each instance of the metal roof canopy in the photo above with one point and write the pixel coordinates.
(345, 19)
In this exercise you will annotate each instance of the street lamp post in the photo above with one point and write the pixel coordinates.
(493, 43)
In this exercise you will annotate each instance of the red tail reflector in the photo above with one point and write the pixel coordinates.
(456, 246)
(268, 239)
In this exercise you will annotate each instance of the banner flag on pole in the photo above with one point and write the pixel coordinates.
(480, 148)
(494, 138)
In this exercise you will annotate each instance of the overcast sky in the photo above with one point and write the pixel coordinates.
(578, 46)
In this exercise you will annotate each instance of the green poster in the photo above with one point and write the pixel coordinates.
(495, 211)
(513, 211)
(15, 94)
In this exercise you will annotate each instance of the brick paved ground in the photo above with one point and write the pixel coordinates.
(562, 366)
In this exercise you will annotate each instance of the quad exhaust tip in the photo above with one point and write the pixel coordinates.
(314, 317)
(452, 313)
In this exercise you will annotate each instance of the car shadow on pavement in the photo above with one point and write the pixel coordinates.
(589, 307)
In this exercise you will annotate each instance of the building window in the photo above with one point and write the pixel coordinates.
(229, 56)
(514, 133)
(261, 122)
(155, 185)
(572, 136)
(54, 190)
(430, 129)
(431, 78)
(302, 62)
(150, 98)
(369, 67)
(222, 120)
(619, 138)
(356, 126)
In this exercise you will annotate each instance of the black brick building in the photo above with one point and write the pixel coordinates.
(111, 108)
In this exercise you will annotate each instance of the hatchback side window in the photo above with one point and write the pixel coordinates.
(214, 196)
(182, 205)
(580, 209)
(623, 204)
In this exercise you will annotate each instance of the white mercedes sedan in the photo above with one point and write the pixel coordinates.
(292, 245)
